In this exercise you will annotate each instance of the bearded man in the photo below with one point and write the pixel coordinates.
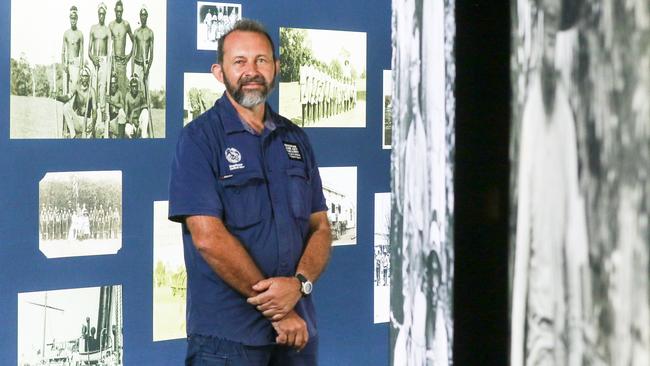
(246, 187)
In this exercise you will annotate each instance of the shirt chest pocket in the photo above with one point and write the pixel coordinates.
(245, 199)
(299, 191)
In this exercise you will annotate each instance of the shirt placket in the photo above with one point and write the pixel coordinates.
(277, 185)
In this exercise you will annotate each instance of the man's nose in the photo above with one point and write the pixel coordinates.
(251, 69)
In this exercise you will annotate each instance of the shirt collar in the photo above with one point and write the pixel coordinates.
(233, 123)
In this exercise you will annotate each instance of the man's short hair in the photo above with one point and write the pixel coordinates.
(244, 25)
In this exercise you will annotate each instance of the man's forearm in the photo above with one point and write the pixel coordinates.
(317, 251)
(224, 254)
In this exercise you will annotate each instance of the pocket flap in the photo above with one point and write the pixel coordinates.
(241, 179)
(297, 172)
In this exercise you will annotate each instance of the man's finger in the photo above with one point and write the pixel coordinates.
(262, 285)
(281, 338)
(259, 299)
(299, 341)
(291, 338)
(270, 313)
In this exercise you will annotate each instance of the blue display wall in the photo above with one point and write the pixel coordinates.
(343, 295)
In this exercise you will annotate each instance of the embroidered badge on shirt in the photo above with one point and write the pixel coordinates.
(234, 157)
(293, 151)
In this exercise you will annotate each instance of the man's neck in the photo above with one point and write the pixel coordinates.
(254, 117)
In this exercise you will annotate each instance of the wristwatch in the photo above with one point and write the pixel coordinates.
(305, 285)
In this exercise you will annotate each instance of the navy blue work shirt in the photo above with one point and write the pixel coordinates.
(264, 188)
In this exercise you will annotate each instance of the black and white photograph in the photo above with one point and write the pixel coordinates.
(323, 77)
(97, 72)
(169, 276)
(382, 258)
(80, 326)
(213, 20)
(80, 213)
(340, 191)
(387, 110)
(580, 194)
(200, 91)
(422, 171)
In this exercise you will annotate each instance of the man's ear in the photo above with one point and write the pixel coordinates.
(277, 67)
(217, 71)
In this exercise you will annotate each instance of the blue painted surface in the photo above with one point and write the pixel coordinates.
(344, 295)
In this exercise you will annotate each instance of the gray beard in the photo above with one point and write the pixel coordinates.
(250, 99)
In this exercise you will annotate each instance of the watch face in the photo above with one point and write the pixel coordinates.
(306, 287)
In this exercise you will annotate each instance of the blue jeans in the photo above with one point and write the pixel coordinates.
(212, 351)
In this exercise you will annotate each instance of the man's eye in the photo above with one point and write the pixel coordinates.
(262, 60)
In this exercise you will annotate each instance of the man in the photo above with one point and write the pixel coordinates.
(120, 28)
(142, 60)
(137, 113)
(98, 53)
(116, 113)
(208, 25)
(80, 107)
(233, 17)
(197, 104)
(245, 185)
(303, 92)
(143, 47)
(72, 52)
(551, 259)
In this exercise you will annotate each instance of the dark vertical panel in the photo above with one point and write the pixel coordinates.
(481, 184)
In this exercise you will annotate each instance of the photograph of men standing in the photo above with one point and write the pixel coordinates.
(98, 44)
(246, 187)
(72, 52)
(120, 29)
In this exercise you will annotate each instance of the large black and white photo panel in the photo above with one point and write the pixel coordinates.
(422, 246)
(580, 244)
(80, 213)
(323, 77)
(61, 77)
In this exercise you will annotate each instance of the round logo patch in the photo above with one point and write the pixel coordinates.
(232, 155)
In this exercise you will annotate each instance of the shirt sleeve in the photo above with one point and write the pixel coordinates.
(317, 197)
(193, 181)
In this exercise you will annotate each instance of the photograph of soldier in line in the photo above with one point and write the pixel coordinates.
(323, 77)
(92, 39)
(200, 91)
(212, 21)
(387, 110)
(80, 213)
